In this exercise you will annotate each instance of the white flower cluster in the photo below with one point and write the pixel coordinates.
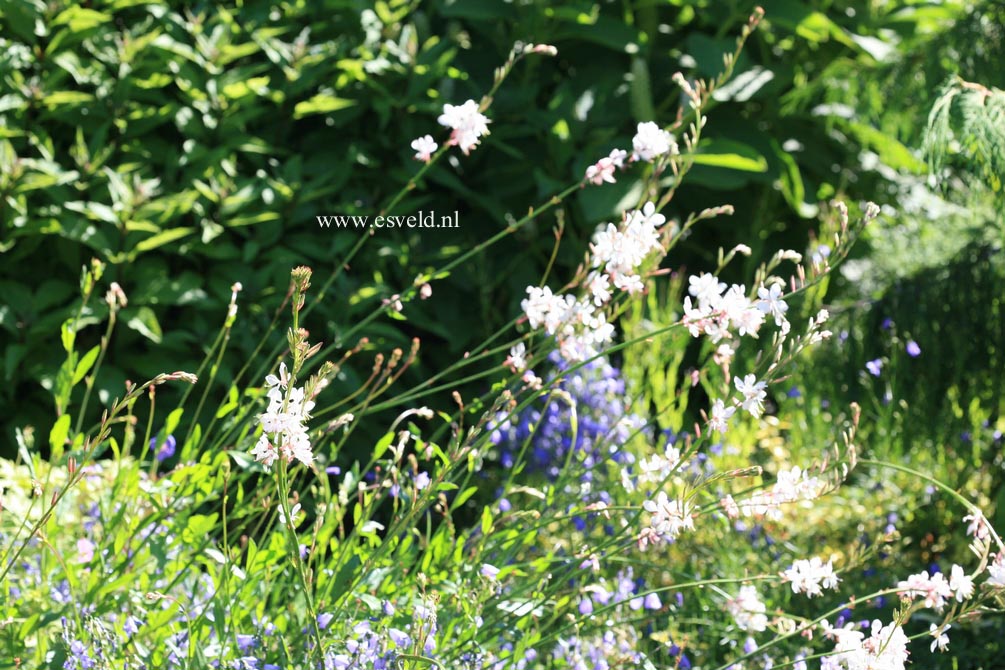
(620, 251)
(935, 590)
(792, 485)
(285, 425)
(748, 611)
(717, 311)
(467, 122)
(884, 649)
(651, 141)
(580, 324)
(658, 467)
(669, 518)
(603, 170)
(811, 576)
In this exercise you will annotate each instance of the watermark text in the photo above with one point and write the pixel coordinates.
(421, 219)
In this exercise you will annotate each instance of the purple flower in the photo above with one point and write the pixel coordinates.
(887, 323)
(400, 639)
(131, 626)
(653, 602)
(913, 350)
(324, 620)
(875, 367)
(585, 606)
(245, 642)
(166, 450)
(79, 657)
(333, 470)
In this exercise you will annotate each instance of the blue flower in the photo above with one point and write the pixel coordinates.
(166, 450)
(913, 350)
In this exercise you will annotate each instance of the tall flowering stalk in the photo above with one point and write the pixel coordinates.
(284, 436)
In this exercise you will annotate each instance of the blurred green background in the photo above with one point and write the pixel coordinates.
(192, 144)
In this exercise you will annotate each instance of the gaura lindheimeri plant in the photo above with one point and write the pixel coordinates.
(553, 521)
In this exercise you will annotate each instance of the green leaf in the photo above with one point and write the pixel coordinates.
(464, 497)
(889, 149)
(244, 461)
(144, 322)
(68, 333)
(60, 431)
(382, 445)
(161, 239)
(60, 98)
(322, 103)
(78, 18)
(486, 520)
(730, 155)
(172, 420)
(86, 361)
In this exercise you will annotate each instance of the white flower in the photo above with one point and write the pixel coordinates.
(532, 380)
(264, 452)
(753, 394)
(885, 649)
(997, 571)
(706, 288)
(468, 123)
(748, 611)
(294, 511)
(517, 361)
(651, 141)
(617, 157)
(659, 467)
(719, 420)
(771, 302)
(424, 146)
(941, 640)
(961, 584)
(283, 420)
(811, 576)
(669, 517)
(601, 171)
(620, 251)
(600, 287)
(730, 507)
(977, 526)
(933, 589)
(724, 354)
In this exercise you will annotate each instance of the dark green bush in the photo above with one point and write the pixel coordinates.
(191, 146)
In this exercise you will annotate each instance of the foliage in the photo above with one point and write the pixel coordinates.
(668, 470)
(189, 147)
(973, 116)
